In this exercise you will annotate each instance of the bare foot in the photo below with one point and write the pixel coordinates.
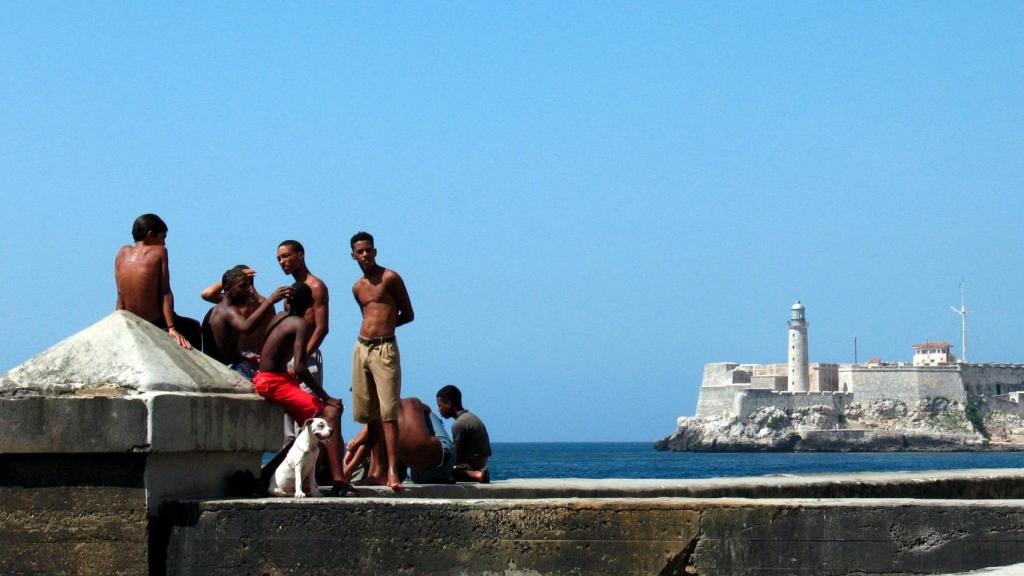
(372, 481)
(394, 483)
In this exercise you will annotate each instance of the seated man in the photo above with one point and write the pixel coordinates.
(423, 445)
(247, 342)
(143, 282)
(286, 339)
(228, 322)
(472, 444)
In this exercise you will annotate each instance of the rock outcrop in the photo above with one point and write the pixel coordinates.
(886, 425)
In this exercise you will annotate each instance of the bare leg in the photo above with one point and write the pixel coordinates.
(391, 445)
(334, 445)
(375, 475)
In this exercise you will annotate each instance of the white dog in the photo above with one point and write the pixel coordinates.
(300, 464)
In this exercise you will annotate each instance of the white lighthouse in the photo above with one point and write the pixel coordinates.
(799, 379)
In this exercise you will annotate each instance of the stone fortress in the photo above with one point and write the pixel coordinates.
(843, 398)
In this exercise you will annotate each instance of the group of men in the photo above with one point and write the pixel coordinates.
(280, 354)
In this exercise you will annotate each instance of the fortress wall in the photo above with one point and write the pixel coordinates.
(753, 400)
(717, 374)
(992, 379)
(905, 383)
(718, 400)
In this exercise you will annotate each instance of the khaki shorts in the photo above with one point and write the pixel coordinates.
(376, 382)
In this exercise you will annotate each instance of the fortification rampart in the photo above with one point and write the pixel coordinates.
(750, 401)
(900, 382)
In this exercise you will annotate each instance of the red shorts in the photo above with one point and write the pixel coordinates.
(283, 389)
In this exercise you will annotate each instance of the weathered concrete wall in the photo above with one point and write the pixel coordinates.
(594, 536)
(906, 383)
(73, 514)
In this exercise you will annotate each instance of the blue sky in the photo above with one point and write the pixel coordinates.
(587, 201)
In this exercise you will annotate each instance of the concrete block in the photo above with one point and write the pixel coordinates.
(69, 424)
(180, 422)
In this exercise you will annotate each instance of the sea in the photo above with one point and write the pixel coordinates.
(640, 460)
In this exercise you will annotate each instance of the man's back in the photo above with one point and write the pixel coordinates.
(279, 346)
(417, 445)
(140, 275)
(471, 438)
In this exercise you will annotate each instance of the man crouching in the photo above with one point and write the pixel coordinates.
(286, 338)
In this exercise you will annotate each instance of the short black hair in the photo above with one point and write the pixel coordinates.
(145, 224)
(300, 300)
(231, 276)
(451, 395)
(294, 245)
(359, 237)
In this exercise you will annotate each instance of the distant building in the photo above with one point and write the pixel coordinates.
(933, 354)
(730, 388)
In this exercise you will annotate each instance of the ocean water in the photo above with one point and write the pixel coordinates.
(641, 460)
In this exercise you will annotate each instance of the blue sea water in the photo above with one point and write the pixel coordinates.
(641, 460)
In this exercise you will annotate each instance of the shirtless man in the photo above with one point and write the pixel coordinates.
(472, 443)
(376, 367)
(229, 322)
(278, 379)
(291, 256)
(423, 445)
(248, 342)
(143, 282)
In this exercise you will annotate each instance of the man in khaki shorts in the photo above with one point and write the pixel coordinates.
(376, 366)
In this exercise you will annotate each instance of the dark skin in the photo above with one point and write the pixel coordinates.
(468, 468)
(229, 321)
(252, 340)
(287, 338)
(143, 282)
(385, 305)
(419, 448)
(293, 262)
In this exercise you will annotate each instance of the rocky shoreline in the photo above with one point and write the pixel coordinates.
(929, 425)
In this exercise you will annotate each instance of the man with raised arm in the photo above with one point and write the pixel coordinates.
(376, 367)
(283, 366)
(249, 343)
(229, 322)
(143, 282)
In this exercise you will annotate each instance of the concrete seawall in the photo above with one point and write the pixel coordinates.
(897, 523)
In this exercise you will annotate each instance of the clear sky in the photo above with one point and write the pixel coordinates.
(587, 201)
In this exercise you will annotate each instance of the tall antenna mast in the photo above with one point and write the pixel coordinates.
(962, 311)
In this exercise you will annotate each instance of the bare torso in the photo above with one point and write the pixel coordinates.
(140, 274)
(253, 341)
(375, 295)
(417, 445)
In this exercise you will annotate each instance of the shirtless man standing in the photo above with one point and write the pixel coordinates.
(229, 322)
(376, 367)
(143, 282)
(291, 256)
(423, 445)
(278, 379)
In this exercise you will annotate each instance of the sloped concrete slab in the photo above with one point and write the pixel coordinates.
(119, 355)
